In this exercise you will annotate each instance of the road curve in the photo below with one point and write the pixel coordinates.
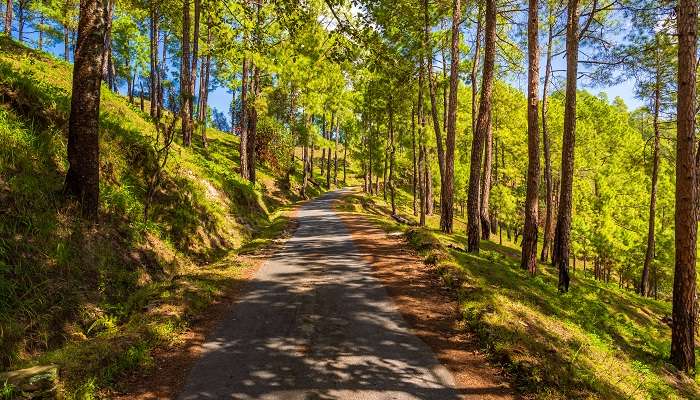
(316, 324)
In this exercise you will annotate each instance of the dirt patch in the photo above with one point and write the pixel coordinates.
(429, 309)
(173, 364)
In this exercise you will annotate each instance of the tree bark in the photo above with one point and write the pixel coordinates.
(428, 184)
(644, 287)
(195, 59)
(529, 248)
(473, 215)
(549, 201)
(8, 18)
(107, 46)
(447, 187)
(185, 85)
(433, 101)
(154, 73)
(204, 89)
(486, 183)
(66, 46)
(83, 177)
(253, 125)
(335, 154)
(684, 280)
(475, 69)
(562, 231)
(414, 181)
(392, 152)
(243, 120)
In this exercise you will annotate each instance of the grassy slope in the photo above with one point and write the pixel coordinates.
(598, 341)
(97, 299)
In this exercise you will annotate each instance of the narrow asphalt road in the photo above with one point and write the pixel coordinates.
(316, 324)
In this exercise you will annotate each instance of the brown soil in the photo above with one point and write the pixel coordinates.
(429, 309)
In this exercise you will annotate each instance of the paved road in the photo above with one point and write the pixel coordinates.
(316, 324)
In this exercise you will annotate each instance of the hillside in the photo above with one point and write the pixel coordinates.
(600, 341)
(96, 299)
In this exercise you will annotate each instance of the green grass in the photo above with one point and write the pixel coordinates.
(97, 299)
(598, 341)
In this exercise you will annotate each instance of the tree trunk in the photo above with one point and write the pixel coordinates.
(243, 120)
(562, 232)
(83, 177)
(335, 154)
(392, 152)
(369, 154)
(8, 18)
(447, 187)
(549, 201)
(475, 69)
(473, 215)
(529, 251)
(195, 57)
(141, 105)
(107, 46)
(345, 159)
(154, 73)
(486, 184)
(185, 84)
(253, 125)
(432, 89)
(414, 181)
(161, 75)
(644, 287)
(20, 21)
(428, 184)
(204, 92)
(421, 183)
(684, 280)
(41, 32)
(66, 46)
(334, 124)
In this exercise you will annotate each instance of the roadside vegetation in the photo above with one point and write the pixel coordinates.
(597, 341)
(96, 299)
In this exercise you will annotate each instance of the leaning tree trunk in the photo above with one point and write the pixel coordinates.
(562, 232)
(549, 201)
(473, 215)
(529, 243)
(644, 287)
(684, 280)
(83, 177)
(447, 187)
